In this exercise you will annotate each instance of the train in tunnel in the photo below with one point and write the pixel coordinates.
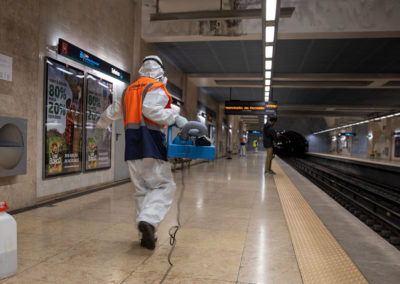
(290, 143)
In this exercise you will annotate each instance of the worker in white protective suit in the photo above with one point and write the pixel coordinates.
(145, 107)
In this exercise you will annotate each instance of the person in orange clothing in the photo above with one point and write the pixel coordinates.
(145, 107)
(242, 149)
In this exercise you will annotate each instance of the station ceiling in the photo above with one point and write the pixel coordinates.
(313, 79)
(371, 55)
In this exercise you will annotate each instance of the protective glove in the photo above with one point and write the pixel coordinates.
(180, 121)
(98, 134)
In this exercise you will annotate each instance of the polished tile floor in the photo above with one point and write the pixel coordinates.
(234, 231)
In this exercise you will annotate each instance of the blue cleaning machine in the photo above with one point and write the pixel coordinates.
(183, 147)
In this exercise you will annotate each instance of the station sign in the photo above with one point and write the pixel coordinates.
(251, 107)
(351, 134)
(79, 55)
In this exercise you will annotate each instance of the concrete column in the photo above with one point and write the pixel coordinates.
(190, 98)
(233, 125)
(19, 33)
(235, 134)
(219, 143)
(388, 132)
(137, 41)
(376, 131)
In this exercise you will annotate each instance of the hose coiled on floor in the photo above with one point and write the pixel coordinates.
(174, 229)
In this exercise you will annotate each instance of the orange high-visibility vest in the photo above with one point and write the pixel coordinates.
(143, 138)
(132, 101)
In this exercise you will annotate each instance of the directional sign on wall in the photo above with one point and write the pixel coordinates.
(250, 108)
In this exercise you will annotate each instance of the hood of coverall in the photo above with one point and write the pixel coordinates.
(152, 68)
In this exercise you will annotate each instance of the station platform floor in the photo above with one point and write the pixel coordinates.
(238, 226)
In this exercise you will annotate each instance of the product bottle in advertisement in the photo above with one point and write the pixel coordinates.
(8, 243)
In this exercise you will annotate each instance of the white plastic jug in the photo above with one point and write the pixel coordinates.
(8, 243)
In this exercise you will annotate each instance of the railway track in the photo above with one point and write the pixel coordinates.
(377, 205)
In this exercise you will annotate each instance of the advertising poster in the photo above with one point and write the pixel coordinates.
(397, 147)
(98, 146)
(63, 119)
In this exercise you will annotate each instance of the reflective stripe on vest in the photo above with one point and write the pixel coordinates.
(143, 123)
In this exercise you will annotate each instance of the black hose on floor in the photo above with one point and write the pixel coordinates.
(174, 229)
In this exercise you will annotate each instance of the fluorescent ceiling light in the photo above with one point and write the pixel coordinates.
(268, 82)
(268, 51)
(270, 10)
(268, 64)
(358, 123)
(52, 123)
(103, 85)
(267, 74)
(65, 71)
(266, 88)
(269, 34)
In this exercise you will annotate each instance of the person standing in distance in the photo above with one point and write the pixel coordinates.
(242, 149)
(145, 107)
(255, 145)
(269, 136)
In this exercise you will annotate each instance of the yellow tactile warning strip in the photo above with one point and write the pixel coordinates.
(321, 259)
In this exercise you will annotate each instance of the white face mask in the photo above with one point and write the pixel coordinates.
(163, 79)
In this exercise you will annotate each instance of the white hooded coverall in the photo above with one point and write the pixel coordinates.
(153, 180)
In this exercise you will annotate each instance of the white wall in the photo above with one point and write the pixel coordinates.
(381, 144)
(105, 31)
